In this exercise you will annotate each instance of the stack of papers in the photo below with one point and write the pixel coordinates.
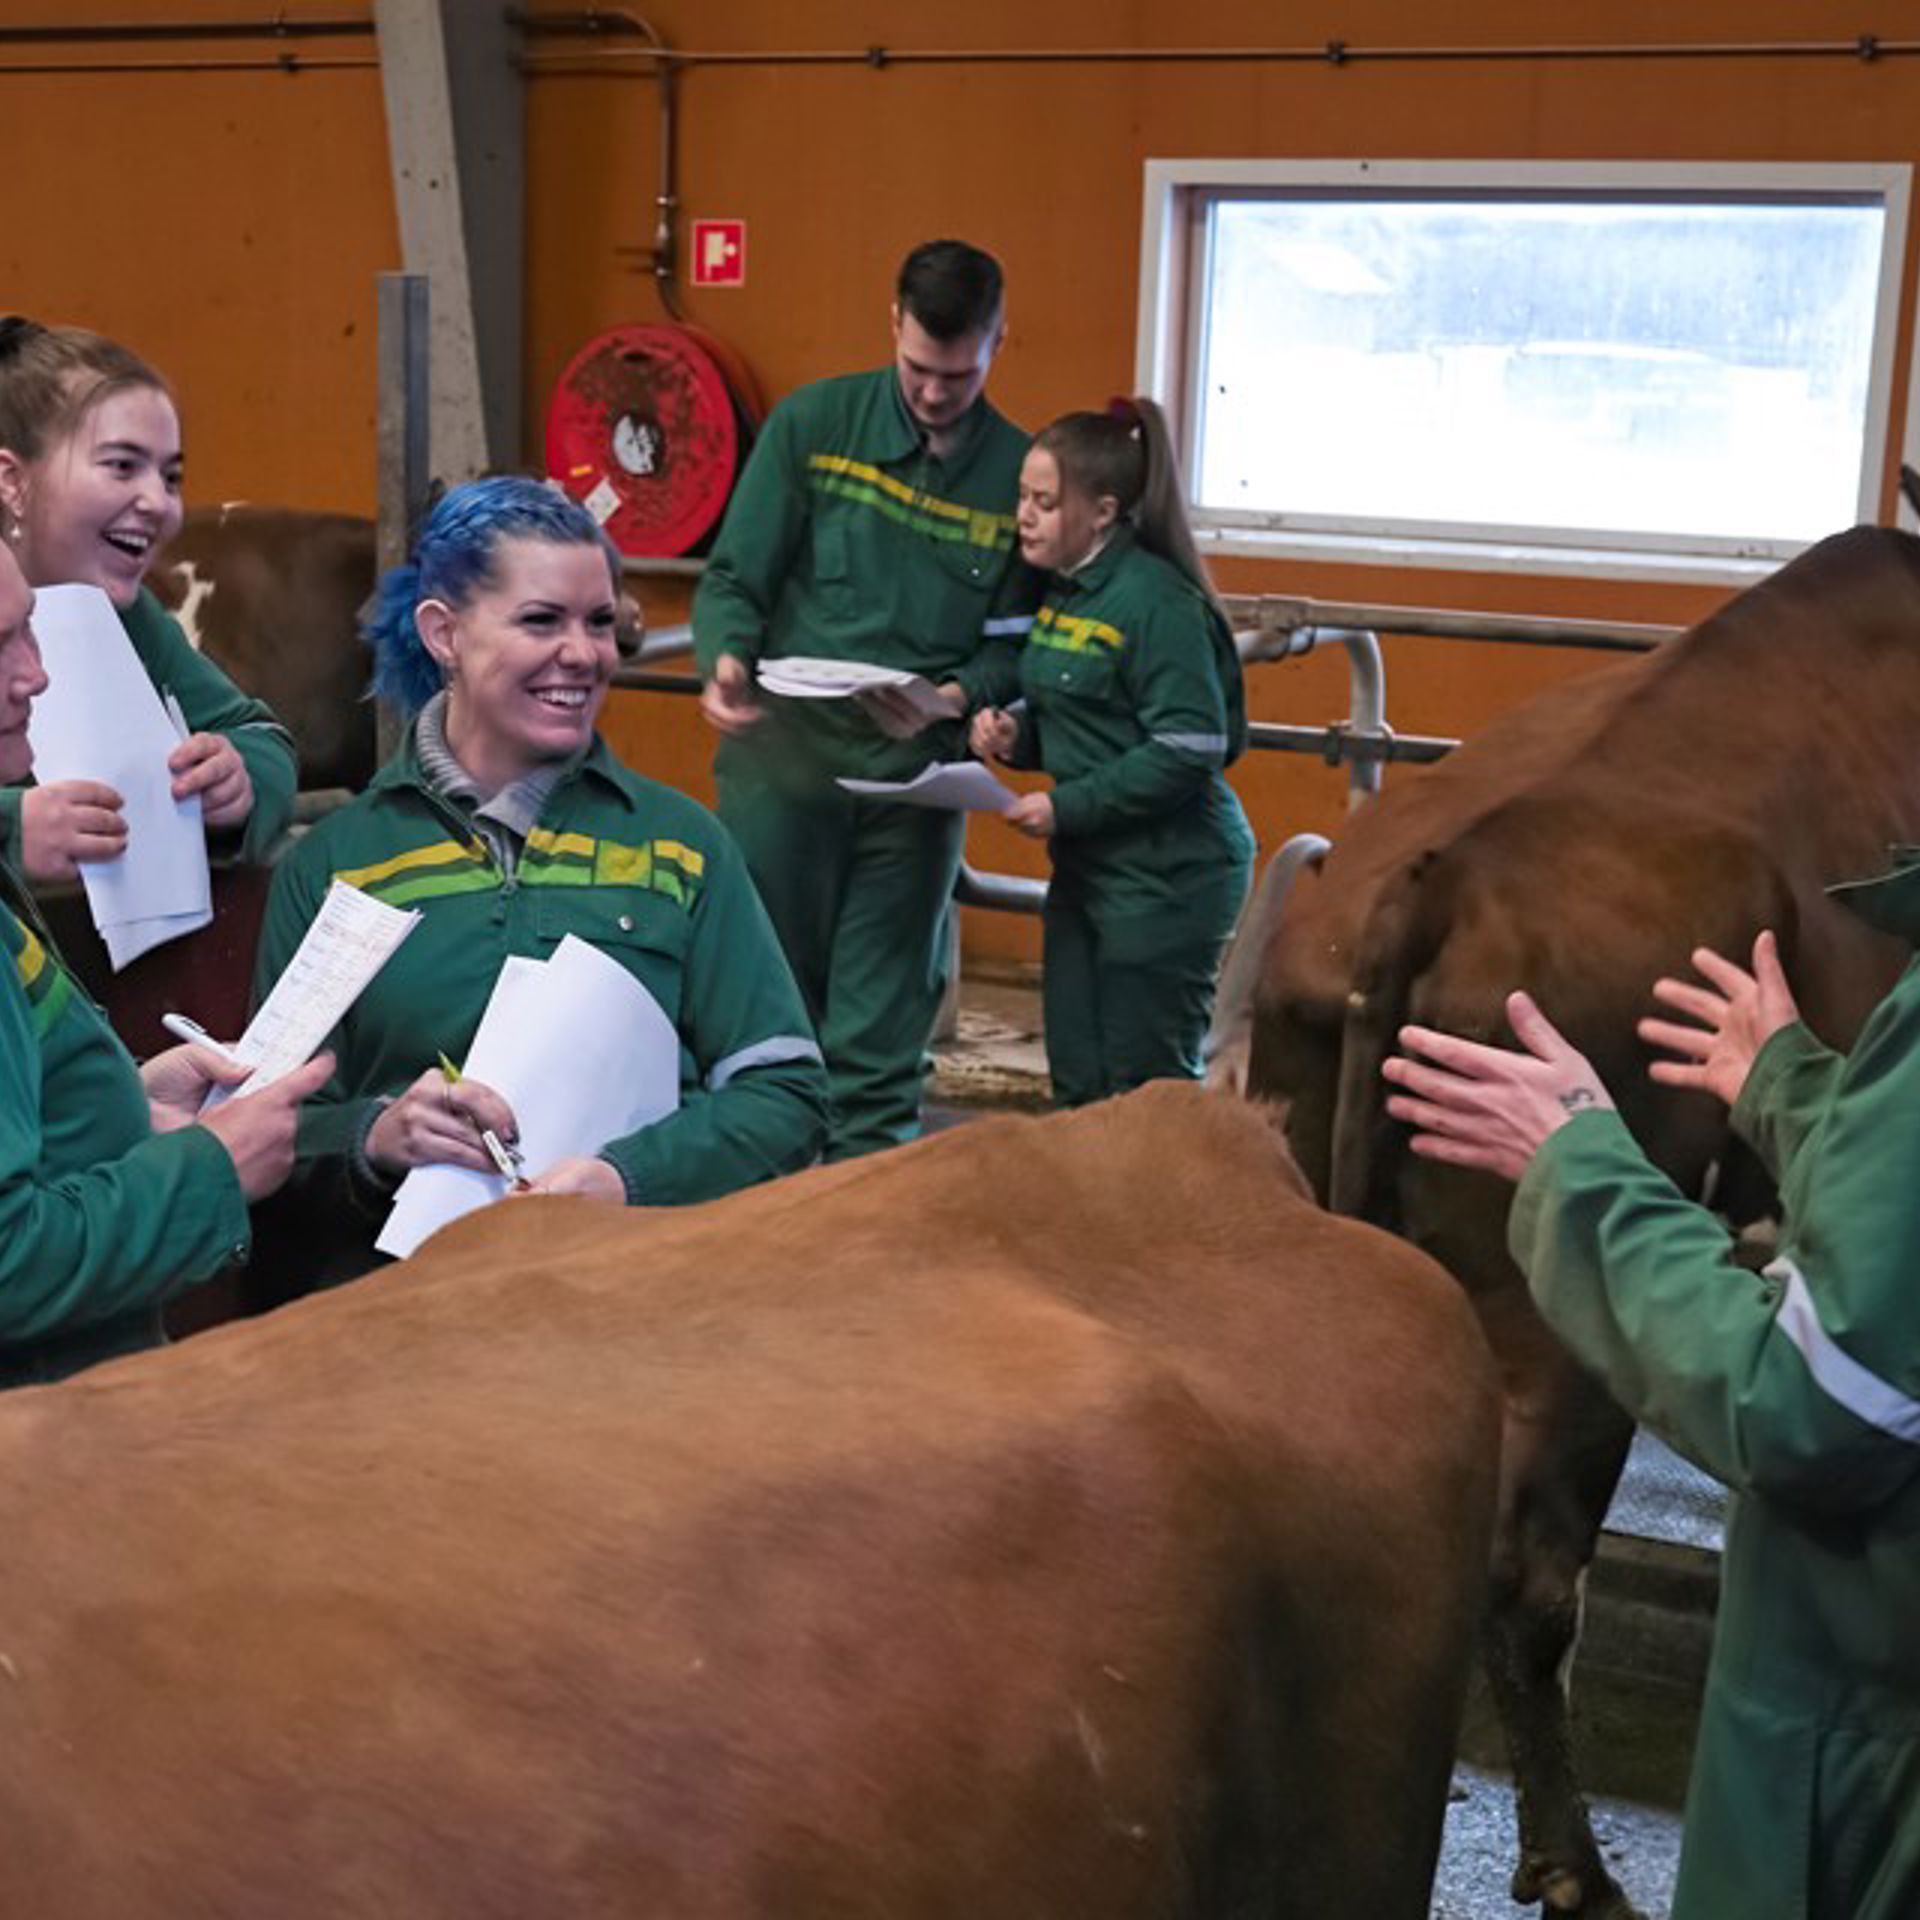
(805, 677)
(580, 1051)
(348, 943)
(101, 719)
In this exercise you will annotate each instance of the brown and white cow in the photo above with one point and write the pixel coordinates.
(1579, 848)
(273, 595)
(1055, 1518)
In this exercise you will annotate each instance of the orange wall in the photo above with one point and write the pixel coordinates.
(231, 224)
(839, 170)
(226, 225)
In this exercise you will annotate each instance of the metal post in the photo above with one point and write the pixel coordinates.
(401, 438)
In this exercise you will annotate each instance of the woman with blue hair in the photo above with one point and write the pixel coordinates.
(508, 824)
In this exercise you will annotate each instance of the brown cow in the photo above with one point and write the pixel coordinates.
(1056, 1518)
(1580, 848)
(274, 596)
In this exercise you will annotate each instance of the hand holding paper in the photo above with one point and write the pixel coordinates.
(347, 944)
(101, 721)
(583, 1054)
(807, 677)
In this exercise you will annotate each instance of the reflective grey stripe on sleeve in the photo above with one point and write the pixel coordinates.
(763, 1053)
(1838, 1375)
(1212, 745)
(1010, 623)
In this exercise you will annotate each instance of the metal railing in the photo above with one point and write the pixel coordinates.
(1267, 627)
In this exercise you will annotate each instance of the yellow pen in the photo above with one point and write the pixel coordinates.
(507, 1160)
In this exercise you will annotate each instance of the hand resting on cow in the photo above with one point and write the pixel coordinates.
(1798, 1386)
(1491, 1108)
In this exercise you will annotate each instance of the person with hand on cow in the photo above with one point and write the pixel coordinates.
(1798, 1386)
(1134, 704)
(507, 823)
(90, 464)
(115, 1194)
(873, 523)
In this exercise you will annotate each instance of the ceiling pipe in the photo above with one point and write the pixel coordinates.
(187, 32)
(279, 63)
(119, 33)
(1865, 48)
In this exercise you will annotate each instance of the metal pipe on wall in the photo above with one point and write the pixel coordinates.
(188, 32)
(114, 33)
(1865, 48)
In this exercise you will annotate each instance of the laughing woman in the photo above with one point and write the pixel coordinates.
(90, 492)
(506, 821)
(1133, 704)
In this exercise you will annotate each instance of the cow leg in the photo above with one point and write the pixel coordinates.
(1562, 1448)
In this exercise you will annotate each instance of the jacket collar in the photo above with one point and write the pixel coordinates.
(1095, 574)
(1890, 900)
(899, 436)
(406, 769)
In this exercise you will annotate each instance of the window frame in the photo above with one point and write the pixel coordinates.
(1173, 289)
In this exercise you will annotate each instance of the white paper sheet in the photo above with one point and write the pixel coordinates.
(348, 943)
(127, 940)
(580, 1051)
(809, 677)
(101, 719)
(960, 786)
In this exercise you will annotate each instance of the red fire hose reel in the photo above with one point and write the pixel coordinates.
(647, 429)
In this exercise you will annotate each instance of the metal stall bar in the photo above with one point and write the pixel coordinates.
(1267, 627)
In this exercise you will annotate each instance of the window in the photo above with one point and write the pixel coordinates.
(1590, 367)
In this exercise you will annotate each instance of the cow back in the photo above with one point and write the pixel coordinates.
(995, 1526)
(1592, 840)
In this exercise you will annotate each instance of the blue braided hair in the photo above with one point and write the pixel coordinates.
(453, 558)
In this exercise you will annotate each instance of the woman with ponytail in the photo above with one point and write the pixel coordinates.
(508, 824)
(1133, 703)
(90, 493)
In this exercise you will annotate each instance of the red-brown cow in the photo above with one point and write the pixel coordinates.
(1056, 1518)
(1580, 848)
(274, 596)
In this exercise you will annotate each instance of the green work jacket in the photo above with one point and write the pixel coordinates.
(1134, 705)
(211, 703)
(101, 1218)
(636, 869)
(1800, 1388)
(846, 538)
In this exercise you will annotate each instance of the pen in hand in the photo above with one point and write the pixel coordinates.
(507, 1161)
(193, 1032)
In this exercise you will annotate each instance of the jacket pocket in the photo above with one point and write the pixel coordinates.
(646, 932)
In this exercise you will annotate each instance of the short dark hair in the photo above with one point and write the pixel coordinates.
(951, 288)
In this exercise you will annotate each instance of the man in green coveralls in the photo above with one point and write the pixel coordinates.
(873, 523)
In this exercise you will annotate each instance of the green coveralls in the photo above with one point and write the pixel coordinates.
(1134, 704)
(101, 1218)
(634, 868)
(847, 538)
(211, 703)
(1800, 1388)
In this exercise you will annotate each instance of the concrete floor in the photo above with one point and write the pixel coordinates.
(1637, 1682)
